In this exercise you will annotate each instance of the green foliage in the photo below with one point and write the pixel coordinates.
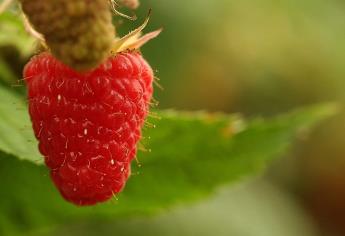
(15, 46)
(248, 209)
(13, 33)
(192, 154)
(17, 138)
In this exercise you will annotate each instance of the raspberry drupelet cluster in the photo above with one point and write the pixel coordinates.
(88, 124)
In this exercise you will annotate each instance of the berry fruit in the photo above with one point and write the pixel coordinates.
(88, 124)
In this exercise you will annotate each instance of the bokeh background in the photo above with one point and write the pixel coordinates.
(259, 58)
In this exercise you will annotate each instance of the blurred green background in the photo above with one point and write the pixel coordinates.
(256, 57)
(259, 57)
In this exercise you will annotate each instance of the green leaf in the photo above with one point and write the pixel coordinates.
(254, 208)
(192, 154)
(6, 73)
(13, 33)
(16, 46)
(16, 136)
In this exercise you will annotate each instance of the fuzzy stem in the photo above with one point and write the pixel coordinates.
(31, 30)
(114, 5)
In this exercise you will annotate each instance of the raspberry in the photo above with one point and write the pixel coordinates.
(79, 32)
(88, 124)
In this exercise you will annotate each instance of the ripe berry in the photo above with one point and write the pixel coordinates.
(88, 124)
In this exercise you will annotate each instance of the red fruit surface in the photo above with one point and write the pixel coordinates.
(88, 125)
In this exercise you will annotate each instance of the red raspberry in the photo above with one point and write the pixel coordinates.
(88, 124)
